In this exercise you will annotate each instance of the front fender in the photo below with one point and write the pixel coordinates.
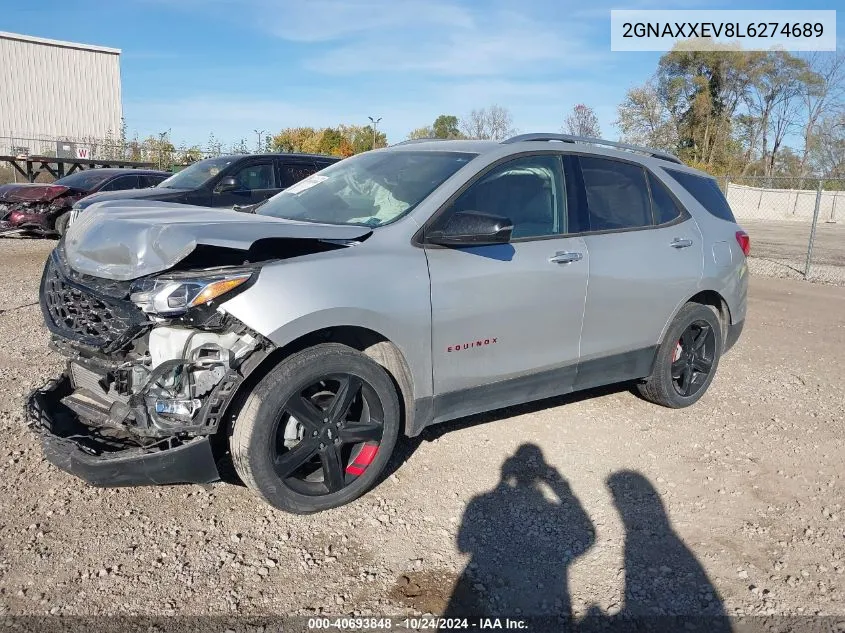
(386, 292)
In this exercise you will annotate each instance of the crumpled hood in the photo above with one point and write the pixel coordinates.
(31, 192)
(124, 240)
(152, 193)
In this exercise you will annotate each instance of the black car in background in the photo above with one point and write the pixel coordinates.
(224, 181)
(44, 208)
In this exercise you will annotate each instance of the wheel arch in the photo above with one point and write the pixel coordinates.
(711, 298)
(373, 344)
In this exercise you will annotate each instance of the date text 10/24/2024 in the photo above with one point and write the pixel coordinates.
(417, 624)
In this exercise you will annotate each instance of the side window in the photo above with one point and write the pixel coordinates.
(529, 191)
(617, 194)
(292, 173)
(665, 207)
(120, 183)
(256, 176)
(150, 180)
(706, 192)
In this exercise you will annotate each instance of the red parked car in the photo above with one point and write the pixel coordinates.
(44, 209)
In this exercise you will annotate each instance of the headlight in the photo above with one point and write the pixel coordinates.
(171, 295)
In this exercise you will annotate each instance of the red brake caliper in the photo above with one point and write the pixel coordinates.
(364, 458)
(678, 351)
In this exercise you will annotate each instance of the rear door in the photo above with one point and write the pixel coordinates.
(645, 258)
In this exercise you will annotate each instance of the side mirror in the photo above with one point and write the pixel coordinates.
(472, 228)
(229, 183)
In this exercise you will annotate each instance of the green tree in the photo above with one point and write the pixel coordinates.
(446, 126)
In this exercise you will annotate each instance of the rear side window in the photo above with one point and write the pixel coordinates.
(706, 192)
(665, 207)
(617, 194)
(121, 182)
(292, 173)
(151, 180)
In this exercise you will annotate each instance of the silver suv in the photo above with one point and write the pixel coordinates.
(394, 290)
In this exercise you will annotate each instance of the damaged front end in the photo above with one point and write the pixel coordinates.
(153, 365)
(34, 208)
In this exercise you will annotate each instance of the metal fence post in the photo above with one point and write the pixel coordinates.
(813, 230)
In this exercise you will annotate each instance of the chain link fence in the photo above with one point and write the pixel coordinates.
(796, 225)
(160, 152)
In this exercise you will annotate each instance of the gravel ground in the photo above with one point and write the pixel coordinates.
(779, 249)
(600, 503)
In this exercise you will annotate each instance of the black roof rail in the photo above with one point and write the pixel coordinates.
(569, 138)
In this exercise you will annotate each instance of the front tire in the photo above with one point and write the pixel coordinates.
(317, 430)
(686, 360)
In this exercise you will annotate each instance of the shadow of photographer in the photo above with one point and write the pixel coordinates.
(524, 534)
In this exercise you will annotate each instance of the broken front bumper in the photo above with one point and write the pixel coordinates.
(16, 221)
(106, 457)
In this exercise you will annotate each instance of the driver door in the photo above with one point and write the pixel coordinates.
(506, 318)
(256, 182)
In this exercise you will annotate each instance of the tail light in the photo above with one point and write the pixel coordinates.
(744, 242)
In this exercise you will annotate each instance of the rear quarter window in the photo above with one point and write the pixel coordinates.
(706, 192)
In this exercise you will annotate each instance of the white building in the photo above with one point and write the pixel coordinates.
(51, 89)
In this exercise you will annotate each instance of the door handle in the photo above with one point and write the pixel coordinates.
(565, 257)
(680, 243)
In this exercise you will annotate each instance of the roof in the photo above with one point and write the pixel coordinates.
(278, 155)
(60, 43)
(118, 171)
(450, 145)
(583, 145)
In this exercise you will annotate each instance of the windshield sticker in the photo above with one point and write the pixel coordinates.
(303, 185)
(214, 171)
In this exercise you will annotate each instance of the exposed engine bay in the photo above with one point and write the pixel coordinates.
(154, 361)
(150, 358)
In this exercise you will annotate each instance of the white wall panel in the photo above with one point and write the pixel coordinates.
(58, 89)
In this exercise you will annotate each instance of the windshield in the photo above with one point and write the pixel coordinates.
(372, 189)
(84, 180)
(198, 174)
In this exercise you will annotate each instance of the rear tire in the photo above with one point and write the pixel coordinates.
(335, 444)
(686, 360)
(62, 222)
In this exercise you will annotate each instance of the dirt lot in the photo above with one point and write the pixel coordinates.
(599, 501)
(779, 249)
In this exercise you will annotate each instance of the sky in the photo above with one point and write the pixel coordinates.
(230, 67)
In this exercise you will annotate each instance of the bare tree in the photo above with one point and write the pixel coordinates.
(644, 119)
(421, 132)
(494, 123)
(582, 121)
(823, 98)
(777, 79)
(827, 146)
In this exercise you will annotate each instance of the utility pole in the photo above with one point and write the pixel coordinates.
(258, 133)
(375, 127)
(161, 137)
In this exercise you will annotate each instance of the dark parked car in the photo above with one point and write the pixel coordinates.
(43, 208)
(225, 181)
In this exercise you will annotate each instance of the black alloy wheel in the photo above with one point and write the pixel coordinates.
(693, 359)
(687, 359)
(318, 429)
(329, 432)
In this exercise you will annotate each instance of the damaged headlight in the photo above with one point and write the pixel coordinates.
(172, 295)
